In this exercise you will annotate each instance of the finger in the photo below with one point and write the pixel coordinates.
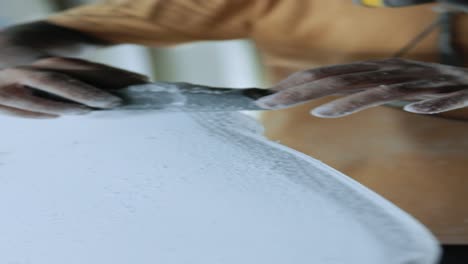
(61, 85)
(14, 112)
(22, 98)
(374, 97)
(357, 67)
(100, 75)
(445, 103)
(324, 72)
(334, 85)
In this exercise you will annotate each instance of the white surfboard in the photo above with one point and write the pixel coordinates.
(186, 188)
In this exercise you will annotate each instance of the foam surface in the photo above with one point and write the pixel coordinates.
(180, 188)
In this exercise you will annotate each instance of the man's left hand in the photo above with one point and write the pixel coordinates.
(431, 88)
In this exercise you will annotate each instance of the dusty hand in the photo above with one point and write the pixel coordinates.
(433, 88)
(35, 82)
(57, 86)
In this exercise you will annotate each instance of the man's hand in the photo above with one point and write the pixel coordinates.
(432, 88)
(58, 86)
(35, 83)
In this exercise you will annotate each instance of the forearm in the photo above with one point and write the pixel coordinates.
(49, 39)
(164, 22)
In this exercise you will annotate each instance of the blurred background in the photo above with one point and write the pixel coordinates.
(223, 63)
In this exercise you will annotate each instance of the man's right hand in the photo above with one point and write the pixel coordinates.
(35, 83)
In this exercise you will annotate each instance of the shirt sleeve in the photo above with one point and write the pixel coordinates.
(164, 22)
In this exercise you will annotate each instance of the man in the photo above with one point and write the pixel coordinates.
(417, 161)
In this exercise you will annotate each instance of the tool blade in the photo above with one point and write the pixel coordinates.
(184, 97)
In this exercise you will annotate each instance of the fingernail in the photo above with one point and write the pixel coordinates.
(410, 108)
(420, 109)
(109, 101)
(327, 112)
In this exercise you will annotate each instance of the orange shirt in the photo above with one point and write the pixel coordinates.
(418, 162)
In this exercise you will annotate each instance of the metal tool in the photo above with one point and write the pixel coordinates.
(177, 97)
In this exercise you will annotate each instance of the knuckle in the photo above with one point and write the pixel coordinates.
(309, 74)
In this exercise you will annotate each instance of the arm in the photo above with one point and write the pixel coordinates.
(84, 84)
(148, 22)
(25, 43)
(165, 22)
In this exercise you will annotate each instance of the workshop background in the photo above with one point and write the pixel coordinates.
(222, 63)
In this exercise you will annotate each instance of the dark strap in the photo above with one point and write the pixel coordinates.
(449, 54)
